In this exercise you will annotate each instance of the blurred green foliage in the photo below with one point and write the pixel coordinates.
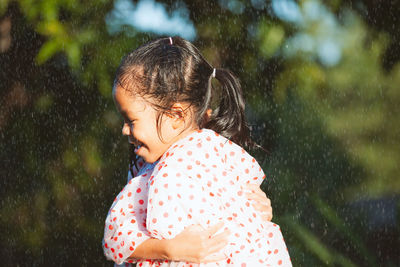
(331, 129)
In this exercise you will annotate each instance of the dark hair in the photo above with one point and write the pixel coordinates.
(177, 72)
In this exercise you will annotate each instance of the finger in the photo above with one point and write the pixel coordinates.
(261, 207)
(195, 228)
(260, 193)
(255, 189)
(252, 186)
(217, 244)
(263, 210)
(268, 202)
(256, 197)
(262, 199)
(215, 228)
(266, 217)
(219, 238)
(214, 257)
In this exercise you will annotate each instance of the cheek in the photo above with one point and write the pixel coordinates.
(147, 133)
(140, 134)
(168, 130)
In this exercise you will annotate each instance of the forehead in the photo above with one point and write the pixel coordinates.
(127, 102)
(130, 81)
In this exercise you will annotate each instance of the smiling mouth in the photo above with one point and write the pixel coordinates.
(137, 149)
(137, 145)
(135, 142)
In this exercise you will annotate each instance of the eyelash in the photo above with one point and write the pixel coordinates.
(129, 121)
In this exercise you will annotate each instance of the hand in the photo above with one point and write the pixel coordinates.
(260, 201)
(198, 245)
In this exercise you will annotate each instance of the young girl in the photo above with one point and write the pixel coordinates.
(163, 90)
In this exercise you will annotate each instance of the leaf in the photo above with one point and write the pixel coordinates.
(327, 255)
(3, 6)
(47, 50)
(51, 28)
(73, 54)
(271, 37)
(332, 217)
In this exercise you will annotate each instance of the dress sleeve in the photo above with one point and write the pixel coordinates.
(176, 200)
(125, 225)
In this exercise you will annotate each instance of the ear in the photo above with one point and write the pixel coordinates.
(177, 114)
(207, 115)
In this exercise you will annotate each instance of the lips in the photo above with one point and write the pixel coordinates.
(134, 142)
(137, 149)
(138, 146)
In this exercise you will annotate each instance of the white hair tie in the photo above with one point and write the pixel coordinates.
(213, 74)
(170, 40)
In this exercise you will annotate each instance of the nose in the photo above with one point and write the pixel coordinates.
(126, 130)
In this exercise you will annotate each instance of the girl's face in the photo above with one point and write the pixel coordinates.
(141, 127)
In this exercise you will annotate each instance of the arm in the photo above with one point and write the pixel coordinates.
(194, 244)
(151, 249)
(201, 247)
(127, 241)
(125, 227)
(123, 233)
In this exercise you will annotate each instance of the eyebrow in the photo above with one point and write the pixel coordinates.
(123, 113)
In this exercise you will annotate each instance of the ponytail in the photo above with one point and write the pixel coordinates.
(228, 119)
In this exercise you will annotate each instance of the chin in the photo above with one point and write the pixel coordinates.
(148, 159)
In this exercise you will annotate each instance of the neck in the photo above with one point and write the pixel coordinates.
(185, 133)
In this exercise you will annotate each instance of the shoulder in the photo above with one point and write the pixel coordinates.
(236, 157)
(190, 146)
(188, 155)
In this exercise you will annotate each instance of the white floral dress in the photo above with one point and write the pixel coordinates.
(197, 181)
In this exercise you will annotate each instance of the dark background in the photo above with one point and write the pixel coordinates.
(323, 97)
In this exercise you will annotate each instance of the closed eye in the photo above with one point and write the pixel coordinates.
(129, 121)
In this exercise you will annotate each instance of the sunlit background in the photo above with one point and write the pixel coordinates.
(322, 85)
